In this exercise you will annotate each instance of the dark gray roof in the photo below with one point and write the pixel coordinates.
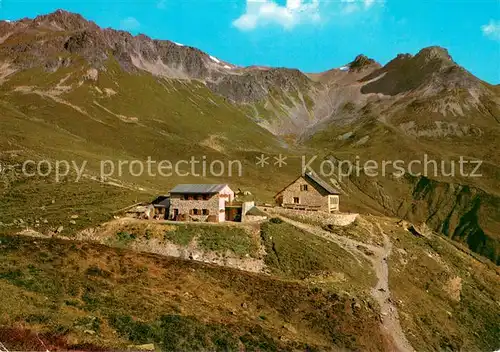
(161, 202)
(323, 184)
(197, 188)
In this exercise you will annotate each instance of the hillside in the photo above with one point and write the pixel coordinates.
(417, 270)
(113, 298)
(314, 291)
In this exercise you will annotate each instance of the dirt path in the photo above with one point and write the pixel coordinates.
(381, 292)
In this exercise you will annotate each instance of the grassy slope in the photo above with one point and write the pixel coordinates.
(174, 120)
(463, 208)
(288, 252)
(295, 254)
(218, 238)
(91, 294)
(44, 206)
(446, 295)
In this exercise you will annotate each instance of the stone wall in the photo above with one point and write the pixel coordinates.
(185, 207)
(254, 218)
(318, 218)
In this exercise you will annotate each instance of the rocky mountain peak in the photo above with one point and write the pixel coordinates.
(64, 20)
(430, 71)
(434, 53)
(361, 61)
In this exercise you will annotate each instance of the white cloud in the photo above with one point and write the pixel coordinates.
(161, 4)
(129, 24)
(264, 12)
(492, 30)
(350, 6)
(369, 3)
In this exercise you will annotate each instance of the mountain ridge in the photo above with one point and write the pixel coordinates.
(64, 20)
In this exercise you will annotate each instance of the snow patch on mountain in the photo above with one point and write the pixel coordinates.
(214, 59)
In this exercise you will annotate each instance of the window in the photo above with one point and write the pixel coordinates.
(296, 200)
(190, 197)
(206, 212)
(198, 197)
(334, 200)
(304, 187)
(206, 197)
(195, 212)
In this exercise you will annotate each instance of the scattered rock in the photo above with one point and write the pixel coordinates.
(60, 229)
(109, 92)
(418, 231)
(365, 250)
(345, 136)
(146, 347)
(454, 288)
(92, 74)
(31, 233)
(290, 328)
(72, 222)
(362, 141)
(74, 216)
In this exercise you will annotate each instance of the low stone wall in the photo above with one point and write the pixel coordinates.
(254, 218)
(319, 218)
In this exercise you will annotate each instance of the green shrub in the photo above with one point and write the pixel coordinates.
(276, 221)
(125, 237)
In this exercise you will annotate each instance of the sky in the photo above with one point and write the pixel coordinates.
(311, 35)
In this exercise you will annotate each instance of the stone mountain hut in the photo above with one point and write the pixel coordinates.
(309, 192)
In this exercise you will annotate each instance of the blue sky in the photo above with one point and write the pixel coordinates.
(312, 35)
